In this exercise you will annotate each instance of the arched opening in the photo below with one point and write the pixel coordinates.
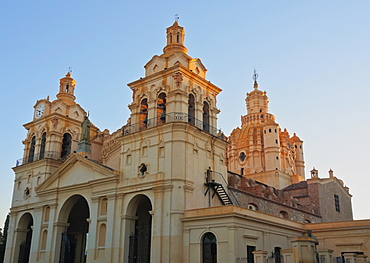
(31, 152)
(252, 206)
(205, 117)
(74, 239)
(140, 231)
(24, 238)
(209, 249)
(143, 118)
(283, 214)
(161, 109)
(102, 235)
(191, 109)
(66, 146)
(178, 38)
(277, 255)
(44, 239)
(42, 146)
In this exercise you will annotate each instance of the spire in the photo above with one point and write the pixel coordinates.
(175, 38)
(67, 89)
(257, 101)
(255, 77)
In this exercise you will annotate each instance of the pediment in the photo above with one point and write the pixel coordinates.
(77, 172)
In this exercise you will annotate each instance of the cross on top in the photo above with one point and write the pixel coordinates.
(177, 17)
(255, 75)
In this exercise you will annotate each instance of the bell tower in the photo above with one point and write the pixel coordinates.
(172, 141)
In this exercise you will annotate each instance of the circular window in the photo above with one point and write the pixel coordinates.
(242, 156)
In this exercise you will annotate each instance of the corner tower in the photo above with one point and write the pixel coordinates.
(260, 150)
(54, 132)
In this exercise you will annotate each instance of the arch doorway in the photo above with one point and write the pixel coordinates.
(209, 248)
(24, 237)
(74, 238)
(141, 231)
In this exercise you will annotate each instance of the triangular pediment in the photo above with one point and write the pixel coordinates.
(77, 172)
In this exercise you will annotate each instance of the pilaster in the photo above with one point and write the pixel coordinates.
(350, 257)
(260, 256)
(36, 233)
(326, 255)
(304, 249)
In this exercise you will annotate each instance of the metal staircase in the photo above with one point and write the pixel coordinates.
(221, 192)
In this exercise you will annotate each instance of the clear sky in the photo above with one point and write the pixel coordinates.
(313, 59)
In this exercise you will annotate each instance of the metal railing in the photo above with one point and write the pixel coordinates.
(39, 156)
(173, 117)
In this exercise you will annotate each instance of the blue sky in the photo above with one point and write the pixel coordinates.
(313, 59)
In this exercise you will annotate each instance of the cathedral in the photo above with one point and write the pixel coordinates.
(168, 186)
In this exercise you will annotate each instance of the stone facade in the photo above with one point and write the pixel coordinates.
(158, 189)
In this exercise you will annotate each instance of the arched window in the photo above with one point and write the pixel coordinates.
(170, 38)
(252, 206)
(31, 152)
(102, 235)
(143, 119)
(161, 109)
(42, 146)
(178, 38)
(205, 117)
(284, 214)
(209, 248)
(191, 109)
(66, 145)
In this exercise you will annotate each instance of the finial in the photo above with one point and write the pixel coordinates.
(70, 69)
(177, 17)
(255, 77)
